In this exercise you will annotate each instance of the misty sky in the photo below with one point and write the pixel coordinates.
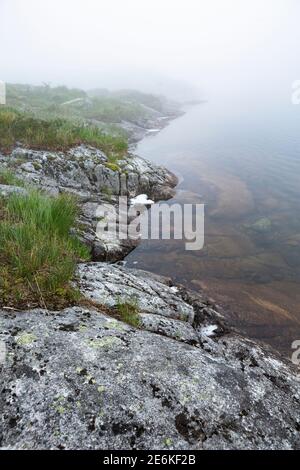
(213, 45)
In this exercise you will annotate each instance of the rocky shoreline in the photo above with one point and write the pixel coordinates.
(138, 130)
(81, 379)
(86, 173)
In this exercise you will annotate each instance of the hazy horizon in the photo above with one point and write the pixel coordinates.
(193, 48)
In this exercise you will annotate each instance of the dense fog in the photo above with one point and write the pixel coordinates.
(185, 49)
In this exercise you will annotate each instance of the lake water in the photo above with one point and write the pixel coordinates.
(243, 163)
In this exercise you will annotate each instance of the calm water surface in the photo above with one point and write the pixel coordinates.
(243, 162)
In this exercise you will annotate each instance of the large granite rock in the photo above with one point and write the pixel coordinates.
(86, 172)
(80, 379)
(164, 308)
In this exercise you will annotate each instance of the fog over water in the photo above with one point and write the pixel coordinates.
(220, 48)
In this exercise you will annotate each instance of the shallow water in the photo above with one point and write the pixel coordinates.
(243, 162)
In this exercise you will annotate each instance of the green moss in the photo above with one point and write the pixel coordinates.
(112, 166)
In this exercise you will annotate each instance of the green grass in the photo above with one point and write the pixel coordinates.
(7, 177)
(38, 255)
(128, 311)
(115, 110)
(60, 117)
(53, 134)
(37, 97)
(100, 105)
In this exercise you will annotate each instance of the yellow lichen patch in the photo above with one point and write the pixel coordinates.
(106, 342)
(25, 338)
(82, 328)
(58, 404)
(116, 325)
(168, 442)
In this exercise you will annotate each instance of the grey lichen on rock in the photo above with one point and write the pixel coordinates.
(125, 388)
(107, 284)
(7, 190)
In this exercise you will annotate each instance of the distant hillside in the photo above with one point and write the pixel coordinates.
(98, 106)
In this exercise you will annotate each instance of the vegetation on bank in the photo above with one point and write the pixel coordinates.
(7, 177)
(99, 105)
(53, 134)
(38, 253)
(55, 118)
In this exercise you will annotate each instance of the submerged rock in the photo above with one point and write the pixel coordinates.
(80, 379)
(262, 225)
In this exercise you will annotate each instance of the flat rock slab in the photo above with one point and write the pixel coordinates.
(78, 379)
(109, 284)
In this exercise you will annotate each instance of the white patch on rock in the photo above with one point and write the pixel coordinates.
(208, 330)
(141, 199)
(174, 289)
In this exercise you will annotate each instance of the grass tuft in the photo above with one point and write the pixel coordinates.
(7, 177)
(38, 255)
(128, 311)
